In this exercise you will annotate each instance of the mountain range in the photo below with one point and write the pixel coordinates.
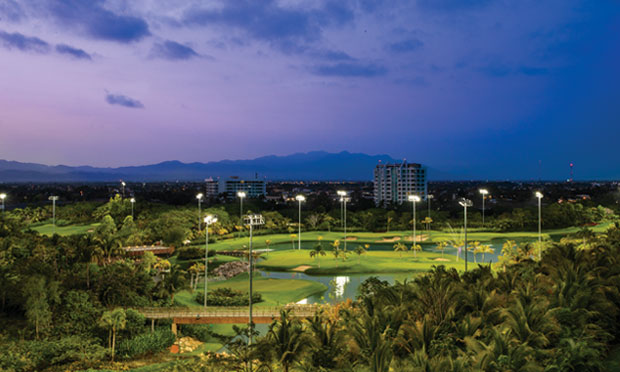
(316, 165)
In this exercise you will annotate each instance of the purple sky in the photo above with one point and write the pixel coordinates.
(485, 88)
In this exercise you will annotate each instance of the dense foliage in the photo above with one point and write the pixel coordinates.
(561, 313)
(228, 297)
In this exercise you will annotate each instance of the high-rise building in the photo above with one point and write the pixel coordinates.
(212, 187)
(394, 182)
(252, 188)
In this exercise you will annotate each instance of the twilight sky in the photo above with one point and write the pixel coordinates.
(490, 89)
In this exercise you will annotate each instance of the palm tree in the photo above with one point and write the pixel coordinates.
(474, 247)
(415, 248)
(486, 248)
(389, 221)
(287, 339)
(267, 243)
(508, 253)
(442, 246)
(428, 222)
(293, 237)
(400, 247)
(113, 320)
(318, 251)
(360, 250)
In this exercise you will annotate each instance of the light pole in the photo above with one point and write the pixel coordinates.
(133, 201)
(539, 195)
(199, 197)
(344, 199)
(241, 195)
(2, 197)
(428, 202)
(300, 199)
(465, 203)
(53, 198)
(484, 193)
(123, 184)
(413, 199)
(252, 220)
(209, 220)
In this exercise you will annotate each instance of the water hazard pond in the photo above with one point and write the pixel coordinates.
(342, 287)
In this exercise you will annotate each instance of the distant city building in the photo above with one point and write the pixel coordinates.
(394, 182)
(252, 188)
(212, 188)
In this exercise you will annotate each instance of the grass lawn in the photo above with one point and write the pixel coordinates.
(371, 262)
(432, 236)
(274, 291)
(48, 229)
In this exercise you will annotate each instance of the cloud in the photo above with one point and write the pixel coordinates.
(405, 46)
(11, 11)
(286, 28)
(98, 22)
(72, 52)
(451, 5)
(332, 55)
(349, 70)
(172, 50)
(23, 43)
(121, 100)
(501, 70)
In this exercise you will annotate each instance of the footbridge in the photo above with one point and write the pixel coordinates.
(224, 315)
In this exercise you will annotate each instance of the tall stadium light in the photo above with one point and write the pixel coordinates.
(199, 198)
(484, 193)
(413, 199)
(53, 198)
(344, 199)
(465, 203)
(241, 195)
(300, 199)
(539, 196)
(123, 184)
(2, 197)
(342, 194)
(133, 201)
(209, 220)
(428, 202)
(252, 220)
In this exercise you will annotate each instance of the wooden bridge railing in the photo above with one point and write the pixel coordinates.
(226, 312)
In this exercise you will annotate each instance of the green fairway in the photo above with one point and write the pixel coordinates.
(357, 237)
(274, 291)
(49, 229)
(371, 262)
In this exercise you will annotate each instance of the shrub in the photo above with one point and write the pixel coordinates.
(228, 297)
(193, 253)
(146, 343)
(201, 332)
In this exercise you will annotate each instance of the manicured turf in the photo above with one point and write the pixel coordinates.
(371, 262)
(377, 238)
(274, 291)
(48, 229)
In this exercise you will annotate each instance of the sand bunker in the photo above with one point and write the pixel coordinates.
(418, 238)
(389, 240)
(302, 268)
(441, 259)
(351, 238)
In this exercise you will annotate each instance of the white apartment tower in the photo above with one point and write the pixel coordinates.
(394, 182)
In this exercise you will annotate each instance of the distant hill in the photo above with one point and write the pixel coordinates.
(316, 165)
